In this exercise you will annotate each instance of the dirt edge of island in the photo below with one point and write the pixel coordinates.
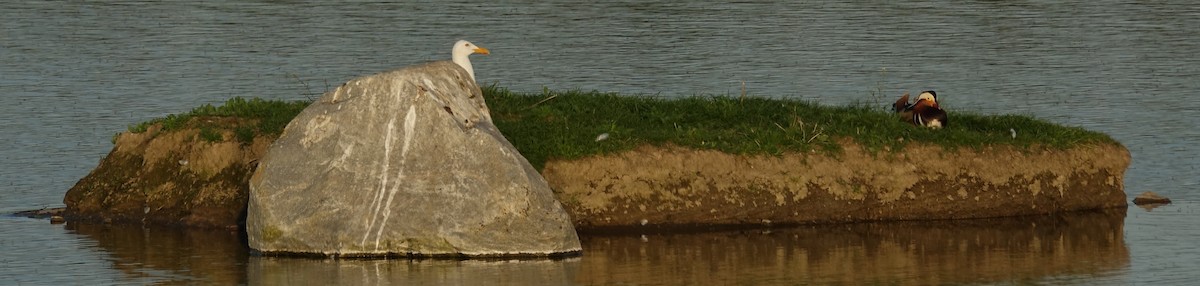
(177, 178)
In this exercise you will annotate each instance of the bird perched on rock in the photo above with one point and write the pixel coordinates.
(923, 112)
(463, 49)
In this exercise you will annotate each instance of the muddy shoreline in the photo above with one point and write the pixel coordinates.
(634, 229)
(177, 179)
(667, 185)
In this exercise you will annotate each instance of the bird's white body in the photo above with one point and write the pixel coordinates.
(461, 55)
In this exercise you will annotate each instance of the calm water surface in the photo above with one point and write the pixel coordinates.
(1077, 248)
(73, 74)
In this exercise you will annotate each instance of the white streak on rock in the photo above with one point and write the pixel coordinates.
(410, 122)
(378, 200)
(340, 162)
(430, 85)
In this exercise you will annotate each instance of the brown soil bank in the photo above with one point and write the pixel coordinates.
(179, 178)
(171, 178)
(678, 186)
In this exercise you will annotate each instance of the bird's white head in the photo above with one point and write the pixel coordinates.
(460, 55)
(928, 95)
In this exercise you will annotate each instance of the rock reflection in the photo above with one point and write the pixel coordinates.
(1049, 249)
(1026, 249)
(300, 271)
(169, 255)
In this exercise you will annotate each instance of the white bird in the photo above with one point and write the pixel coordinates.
(463, 49)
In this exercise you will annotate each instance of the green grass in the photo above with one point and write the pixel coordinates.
(565, 125)
(271, 117)
(208, 134)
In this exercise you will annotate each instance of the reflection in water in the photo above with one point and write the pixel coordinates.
(300, 271)
(173, 256)
(1088, 246)
(911, 253)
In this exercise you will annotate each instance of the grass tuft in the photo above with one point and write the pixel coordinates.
(271, 116)
(244, 134)
(208, 134)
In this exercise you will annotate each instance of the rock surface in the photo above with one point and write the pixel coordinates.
(673, 186)
(403, 163)
(1147, 198)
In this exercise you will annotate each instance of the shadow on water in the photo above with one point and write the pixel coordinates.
(1088, 245)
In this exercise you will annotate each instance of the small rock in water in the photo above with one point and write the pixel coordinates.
(57, 219)
(1150, 198)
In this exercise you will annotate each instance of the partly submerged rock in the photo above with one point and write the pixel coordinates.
(1147, 198)
(42, 213)
(405, 163)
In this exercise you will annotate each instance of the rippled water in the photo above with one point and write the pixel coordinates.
(73, 74)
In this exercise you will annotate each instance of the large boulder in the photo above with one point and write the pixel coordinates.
(403, 163)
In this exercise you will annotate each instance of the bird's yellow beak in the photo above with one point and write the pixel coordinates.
(481, 51)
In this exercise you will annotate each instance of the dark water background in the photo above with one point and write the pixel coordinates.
(74, 73)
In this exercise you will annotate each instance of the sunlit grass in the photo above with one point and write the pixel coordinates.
(566, 124)
(270, 117)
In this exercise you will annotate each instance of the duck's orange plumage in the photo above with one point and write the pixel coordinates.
(924, 112)
(901, 104)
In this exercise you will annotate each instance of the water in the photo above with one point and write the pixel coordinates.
(72, 75)
(1079, 247)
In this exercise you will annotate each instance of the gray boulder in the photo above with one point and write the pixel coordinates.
(403, 163)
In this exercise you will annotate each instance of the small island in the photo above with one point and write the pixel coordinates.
(630, 161)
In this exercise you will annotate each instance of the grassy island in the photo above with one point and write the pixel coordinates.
(566, 124)
(618, 160)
